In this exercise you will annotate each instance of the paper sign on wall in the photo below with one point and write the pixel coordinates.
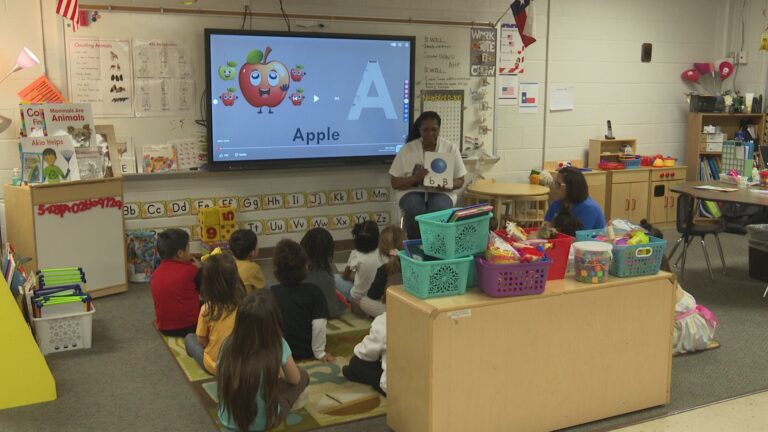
(250, 203)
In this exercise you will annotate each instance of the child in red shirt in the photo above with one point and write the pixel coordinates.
(174, 285)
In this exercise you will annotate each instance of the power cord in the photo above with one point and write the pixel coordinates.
(285, 16)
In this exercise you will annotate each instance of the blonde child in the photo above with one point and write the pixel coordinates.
(252, 395)
(221, 291)
(245, 247)
(390, 241)
(302, 305)
(363, 261)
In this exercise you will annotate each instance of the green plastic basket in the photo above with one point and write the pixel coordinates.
(448, 240)
(632, 260)
(438, 278)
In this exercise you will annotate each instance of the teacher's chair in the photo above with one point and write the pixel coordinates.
(688, 227)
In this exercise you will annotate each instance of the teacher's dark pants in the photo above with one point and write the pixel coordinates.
(419, 202)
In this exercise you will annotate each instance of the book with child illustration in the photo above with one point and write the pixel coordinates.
(48, 159)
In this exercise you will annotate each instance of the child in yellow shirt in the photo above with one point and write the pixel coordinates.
(222, 292)
(244, 246)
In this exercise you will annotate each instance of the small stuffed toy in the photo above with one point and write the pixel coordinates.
(546, 179)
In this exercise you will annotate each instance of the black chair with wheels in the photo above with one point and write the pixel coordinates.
(688, 227)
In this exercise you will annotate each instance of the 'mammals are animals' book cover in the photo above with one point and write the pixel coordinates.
(48, 159)
(74, 121)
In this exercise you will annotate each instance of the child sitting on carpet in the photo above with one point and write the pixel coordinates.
(390, 241)
(174, 285)
(695, 325)
(363, 262)
(222, 291)
(245, 247)
(318, 244)
(369, 364)
(302, 305)
(250, 366)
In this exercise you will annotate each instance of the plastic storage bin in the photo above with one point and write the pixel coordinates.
(558, 254)
(427, 279)
(592, 259)
(64, 332)
(448, 240)
(508, 280)
(632, 260)
(631, 163)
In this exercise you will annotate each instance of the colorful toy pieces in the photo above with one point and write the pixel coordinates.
(216, 224)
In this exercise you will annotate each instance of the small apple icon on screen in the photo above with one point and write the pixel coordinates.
(264, 84)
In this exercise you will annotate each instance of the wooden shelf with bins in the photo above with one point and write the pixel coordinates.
(729, 124)
(608, 150)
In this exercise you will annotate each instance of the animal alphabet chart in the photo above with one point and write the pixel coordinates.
(100, 73)
(449, 104)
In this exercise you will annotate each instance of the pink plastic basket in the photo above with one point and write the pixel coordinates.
(507, 280)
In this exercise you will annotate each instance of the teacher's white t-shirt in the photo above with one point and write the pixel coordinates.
(412, 154)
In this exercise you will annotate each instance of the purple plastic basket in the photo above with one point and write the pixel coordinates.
(508, 280)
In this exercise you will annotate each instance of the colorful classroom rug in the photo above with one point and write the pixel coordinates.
(332, 399)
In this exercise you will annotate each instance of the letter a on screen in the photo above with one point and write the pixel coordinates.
(372, 76)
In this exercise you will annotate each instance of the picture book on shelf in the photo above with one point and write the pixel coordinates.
(48, 159)
(440, 167)
(73, 121)
(159, 158)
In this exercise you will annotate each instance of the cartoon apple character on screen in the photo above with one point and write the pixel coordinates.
(264, 84)
(229, 97)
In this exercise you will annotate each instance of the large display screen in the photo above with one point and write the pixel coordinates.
(281, 99)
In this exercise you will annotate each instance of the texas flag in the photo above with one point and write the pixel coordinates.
(524, 24)
(70, 10)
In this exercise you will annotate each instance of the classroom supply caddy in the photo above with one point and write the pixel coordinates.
(557, 253)
(61, 311)
(448, 240)
(434, 278)
(507, 280)
(631, 260)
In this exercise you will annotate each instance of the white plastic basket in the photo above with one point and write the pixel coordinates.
(64, 332)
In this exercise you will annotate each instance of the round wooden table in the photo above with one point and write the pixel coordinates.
(508, 192)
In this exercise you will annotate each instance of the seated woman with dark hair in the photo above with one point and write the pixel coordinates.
(573, 209)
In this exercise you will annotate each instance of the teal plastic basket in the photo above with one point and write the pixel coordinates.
(448, 240)
(438, 278)
(632, 260)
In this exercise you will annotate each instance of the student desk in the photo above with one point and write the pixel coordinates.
(755, 195)
(574, 354)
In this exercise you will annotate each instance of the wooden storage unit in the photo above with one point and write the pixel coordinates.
(628, 194)
(662, 206)
(729, 124)
(574, 354)
(608, 150)
(597, 180)
(71, 224)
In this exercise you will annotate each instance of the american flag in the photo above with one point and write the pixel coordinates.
(69, 9)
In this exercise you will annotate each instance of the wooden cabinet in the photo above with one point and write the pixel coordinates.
(596, 181)
(663, 202)
(71, 224)
(608, 150)
(628, 194)
(728, 123)
(529, 363)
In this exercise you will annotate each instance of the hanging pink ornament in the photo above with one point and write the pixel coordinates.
(703, 68)
(725, 69)
(691, 75)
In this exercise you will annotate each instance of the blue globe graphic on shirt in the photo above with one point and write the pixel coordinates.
(438, 166)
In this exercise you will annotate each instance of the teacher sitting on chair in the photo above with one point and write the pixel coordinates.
(408, 171)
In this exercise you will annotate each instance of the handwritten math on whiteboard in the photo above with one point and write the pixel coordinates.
(449, 104)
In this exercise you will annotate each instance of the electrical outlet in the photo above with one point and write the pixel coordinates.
(741, 57)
